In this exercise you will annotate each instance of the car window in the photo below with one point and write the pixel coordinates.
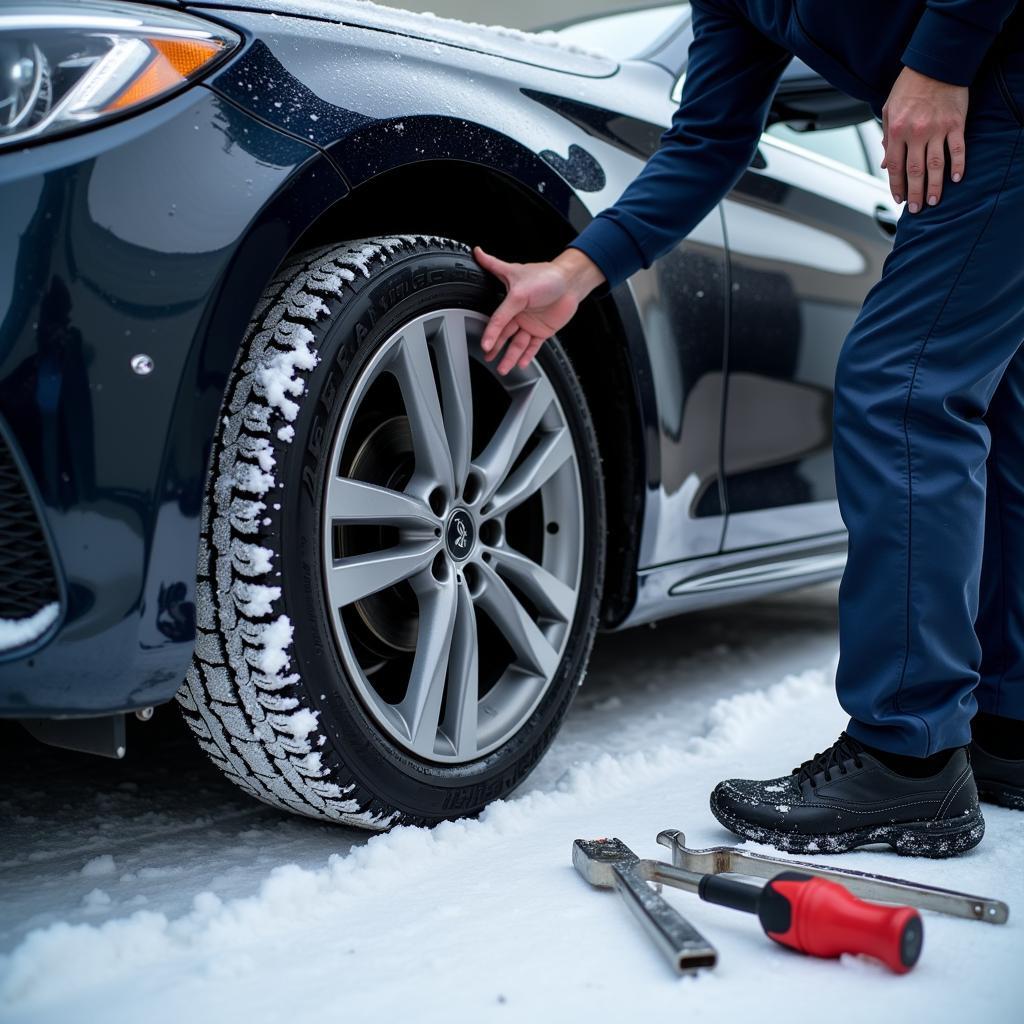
(841, 144)
(625, 34)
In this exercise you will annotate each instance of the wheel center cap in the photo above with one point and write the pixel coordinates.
(459, 534)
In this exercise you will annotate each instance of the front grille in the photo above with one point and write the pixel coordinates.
(27, 579)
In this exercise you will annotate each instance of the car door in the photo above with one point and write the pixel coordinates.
(808, 228)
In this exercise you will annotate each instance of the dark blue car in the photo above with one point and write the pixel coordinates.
(250, 455)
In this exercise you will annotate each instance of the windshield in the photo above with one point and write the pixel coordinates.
(625, 34)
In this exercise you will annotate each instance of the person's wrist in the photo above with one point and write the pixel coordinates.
(582, 275)
(926, 80)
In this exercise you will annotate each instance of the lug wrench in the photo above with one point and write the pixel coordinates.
(720, 860)
(610, 864)
(812, 915)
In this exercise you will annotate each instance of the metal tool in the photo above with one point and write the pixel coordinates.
(812, 915)
(719, 860)
(610, 864)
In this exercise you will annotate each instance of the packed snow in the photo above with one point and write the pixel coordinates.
(149, 889)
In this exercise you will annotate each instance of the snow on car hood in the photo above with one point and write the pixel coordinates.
(546, 49)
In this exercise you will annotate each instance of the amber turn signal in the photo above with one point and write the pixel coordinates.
(173, 63)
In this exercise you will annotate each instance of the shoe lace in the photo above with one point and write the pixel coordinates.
(844, 749)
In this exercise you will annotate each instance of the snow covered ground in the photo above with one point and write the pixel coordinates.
(149, 891)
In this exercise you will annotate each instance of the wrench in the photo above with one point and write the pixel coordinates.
(717, 860)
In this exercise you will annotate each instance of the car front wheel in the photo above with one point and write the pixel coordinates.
(402, 551)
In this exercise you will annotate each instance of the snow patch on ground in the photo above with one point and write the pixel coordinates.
(267, 916)
(18, 632)
(458, 918)
(84, 955)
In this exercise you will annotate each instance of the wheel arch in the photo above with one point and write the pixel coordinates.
(512, 219)
(505, 212)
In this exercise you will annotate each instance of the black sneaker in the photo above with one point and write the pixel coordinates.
(844, 798)
(999, 780)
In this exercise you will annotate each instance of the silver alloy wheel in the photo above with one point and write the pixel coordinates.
(448, 518)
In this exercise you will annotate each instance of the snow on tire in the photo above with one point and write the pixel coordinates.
(269, 695)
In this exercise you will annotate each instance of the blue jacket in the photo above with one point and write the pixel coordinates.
(739, 51)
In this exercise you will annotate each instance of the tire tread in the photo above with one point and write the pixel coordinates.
(243, 716)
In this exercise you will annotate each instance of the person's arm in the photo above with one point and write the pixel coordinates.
(731, 77)
(925, 116)
(732, 73)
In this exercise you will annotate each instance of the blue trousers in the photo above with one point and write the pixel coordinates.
(929, 454)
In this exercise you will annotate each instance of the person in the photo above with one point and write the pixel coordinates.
(928, 420)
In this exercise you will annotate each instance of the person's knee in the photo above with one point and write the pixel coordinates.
(862, 397)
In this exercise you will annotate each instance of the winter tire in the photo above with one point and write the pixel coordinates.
(402, 551)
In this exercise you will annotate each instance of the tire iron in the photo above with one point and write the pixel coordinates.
(721, 860)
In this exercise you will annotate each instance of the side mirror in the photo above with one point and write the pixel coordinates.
(806, 102)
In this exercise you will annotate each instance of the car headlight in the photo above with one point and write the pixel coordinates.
(64, 65)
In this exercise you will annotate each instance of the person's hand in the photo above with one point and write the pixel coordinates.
(541, 299)
(921, 119)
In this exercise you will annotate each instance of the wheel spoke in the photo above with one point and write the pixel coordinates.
(452, 350)
(529, 403)
(355, 501)
(529, 644)
(460, 718)
(537, 468)
(411, 366)
(553, 598)
(421, 706)
(357, 576)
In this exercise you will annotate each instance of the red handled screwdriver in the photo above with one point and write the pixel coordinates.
(821, 918)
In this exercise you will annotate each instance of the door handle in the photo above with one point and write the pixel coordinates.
(886, 219)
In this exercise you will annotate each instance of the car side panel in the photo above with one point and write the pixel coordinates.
(805, 248)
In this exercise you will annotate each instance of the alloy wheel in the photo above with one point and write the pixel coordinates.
(452, 539)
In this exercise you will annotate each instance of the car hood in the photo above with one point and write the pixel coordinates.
(544, 49)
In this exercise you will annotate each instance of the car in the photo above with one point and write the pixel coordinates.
(251, 456)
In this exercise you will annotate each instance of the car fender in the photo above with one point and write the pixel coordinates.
(155, 235)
